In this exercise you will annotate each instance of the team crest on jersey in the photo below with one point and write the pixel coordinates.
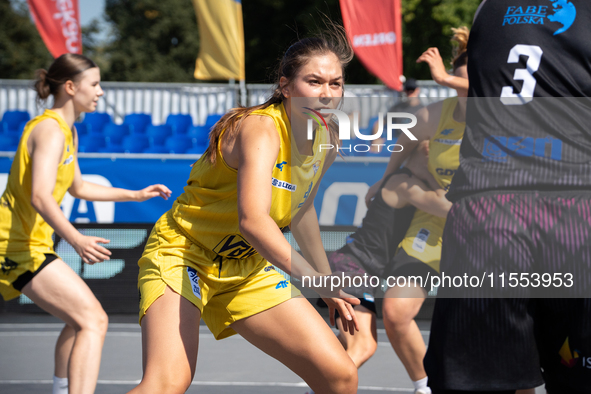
(316, 166)
(234, 247)
(69, 160)
(560, 11)
(283, 185)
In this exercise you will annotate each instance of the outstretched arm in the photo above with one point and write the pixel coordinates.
(92, 192)
(433, 58)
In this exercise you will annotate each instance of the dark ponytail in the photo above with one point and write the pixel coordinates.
(65, 68)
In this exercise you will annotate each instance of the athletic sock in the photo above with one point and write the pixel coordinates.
(60, 385)
(421, 386)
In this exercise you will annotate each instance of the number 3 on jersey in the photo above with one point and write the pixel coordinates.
(534, 57)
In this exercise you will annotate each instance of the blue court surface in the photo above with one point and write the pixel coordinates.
(231, 365)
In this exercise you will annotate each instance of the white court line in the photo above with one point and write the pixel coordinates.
(59, 325)
(224, 384)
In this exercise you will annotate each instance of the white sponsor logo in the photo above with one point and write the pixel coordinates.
(448, 142)
(69, 22)
(194, 282)
(372, 40)
(420, 240)
(283, 185)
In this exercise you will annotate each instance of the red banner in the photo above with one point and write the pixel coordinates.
(58, 22)
(375, 30)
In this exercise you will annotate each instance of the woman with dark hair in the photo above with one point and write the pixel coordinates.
(44, 168)
(212, 256)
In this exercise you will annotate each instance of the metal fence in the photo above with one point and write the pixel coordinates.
(200, 99)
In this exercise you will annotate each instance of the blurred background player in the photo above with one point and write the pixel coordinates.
(212, 256)
(45, 167)
(397, 241)
(525, 161)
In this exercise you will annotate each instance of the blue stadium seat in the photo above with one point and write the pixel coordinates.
(159, 134)
(196, 150)
(112, 148)
(136, 143)
(13, 119)
(97, 120)
(180, 123)
(8, 143)
(116, 132)
(91, 142)
(157, 149)
(139, 122)
(82, 128)
(200, 134)
(212, 119)
(179, 143)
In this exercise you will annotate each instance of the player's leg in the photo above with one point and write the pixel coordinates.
(63, 350)
(295, 334)
(170, 340)
(400, 307)
(70, 299)
(364, 343)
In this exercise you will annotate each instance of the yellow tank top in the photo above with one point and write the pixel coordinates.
(22, 229)
(423, 238)
(207, 211)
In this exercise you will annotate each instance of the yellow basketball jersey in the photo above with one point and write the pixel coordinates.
(22, 229)
(423, 238)
(207, 211)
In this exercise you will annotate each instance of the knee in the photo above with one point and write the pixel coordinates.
(396, 319)
(166, 382)
(347, 381)
(96, 320)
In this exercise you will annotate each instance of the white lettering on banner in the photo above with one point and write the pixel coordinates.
(372, 40)
(330, 202)
(69, 23)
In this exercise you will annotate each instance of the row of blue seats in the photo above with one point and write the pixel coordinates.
(98, 133)
(141, 143)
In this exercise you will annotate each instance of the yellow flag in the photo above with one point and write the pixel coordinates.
(222, 39)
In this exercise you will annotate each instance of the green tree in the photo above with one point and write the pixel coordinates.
(22, 50)
(154, 41)
(428, 23)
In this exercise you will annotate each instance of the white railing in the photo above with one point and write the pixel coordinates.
(201, 99)
(121, 98)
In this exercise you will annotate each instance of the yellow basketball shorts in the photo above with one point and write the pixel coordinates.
(224, 290)
(18, 268)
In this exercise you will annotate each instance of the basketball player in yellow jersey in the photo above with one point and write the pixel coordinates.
(213, 255)
(44, 168)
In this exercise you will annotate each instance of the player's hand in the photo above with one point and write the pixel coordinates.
(433, 58)
(153, 191)
(89, 249)
(344, 305)
(371, 193)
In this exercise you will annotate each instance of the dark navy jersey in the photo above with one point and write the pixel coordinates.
(375, 243)
(529, 113)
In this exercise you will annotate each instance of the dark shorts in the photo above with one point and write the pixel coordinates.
(407, 266)
(25, 278)
(505, 343)
(343, 260)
